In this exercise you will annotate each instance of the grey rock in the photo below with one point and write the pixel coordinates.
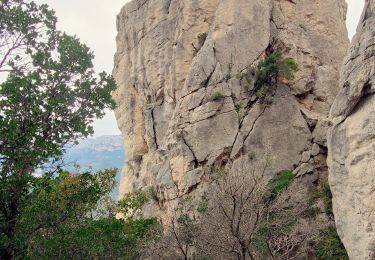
(253, 98)
(305, 156)
(192, 178)
(320, 132)
(305, 168)
(296, 170)
(351, 144)
(315, 149)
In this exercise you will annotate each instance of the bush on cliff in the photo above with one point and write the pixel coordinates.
(272, 67)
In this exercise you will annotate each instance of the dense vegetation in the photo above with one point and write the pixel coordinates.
(49, 99)
(71, 216)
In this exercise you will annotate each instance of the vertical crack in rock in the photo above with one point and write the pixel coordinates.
(240, 130)
(154, 128)
(205, 83)
(255, 121)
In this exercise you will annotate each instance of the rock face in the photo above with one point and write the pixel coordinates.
(186, 97)
(351, 143)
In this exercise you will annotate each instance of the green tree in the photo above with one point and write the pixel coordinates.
(49, 99)
(62, 218)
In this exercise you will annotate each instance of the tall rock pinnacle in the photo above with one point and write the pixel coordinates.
(186, 73)
(352, 143)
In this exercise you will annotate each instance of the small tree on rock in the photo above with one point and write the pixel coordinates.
(272, 67)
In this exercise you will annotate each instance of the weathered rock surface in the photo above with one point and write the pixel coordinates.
(175, 56)
(351, 143)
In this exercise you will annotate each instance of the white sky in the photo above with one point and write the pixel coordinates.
(94, 22)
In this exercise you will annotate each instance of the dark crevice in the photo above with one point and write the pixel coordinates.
(352, 59)
(205, 83)
(311, 123)
(235, 139)
(369, 46)
(291, 1)
(192, 188)
(154, 129)
(366, 88)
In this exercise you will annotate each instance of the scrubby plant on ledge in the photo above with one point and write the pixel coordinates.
(329, 245)
(272, 67)
(323, 192)
(216, 96)
(202, 37)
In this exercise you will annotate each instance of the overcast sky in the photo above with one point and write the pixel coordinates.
(94, 22)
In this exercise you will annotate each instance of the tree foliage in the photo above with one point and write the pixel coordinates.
(272, 67)
(61, 217)
(49, 99)
(23, 27)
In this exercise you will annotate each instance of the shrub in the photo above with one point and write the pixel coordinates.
(324, 193)
(217, 96)
(228, 77)
(262, 91)
(327, 197)
(329, 245)
(240, 74)
(203, 204)
(272, 67)
(303, 26)
(202, 37)
(153, 194)
(311, 212)
(279, 183)
(251, 156)
(237, 107)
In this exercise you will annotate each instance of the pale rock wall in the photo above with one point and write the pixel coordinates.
(167, 76)
(351, 143)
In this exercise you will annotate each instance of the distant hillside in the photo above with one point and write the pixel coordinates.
(96, 154)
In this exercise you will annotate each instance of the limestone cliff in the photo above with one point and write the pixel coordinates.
(352, 143)
(174, 56)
